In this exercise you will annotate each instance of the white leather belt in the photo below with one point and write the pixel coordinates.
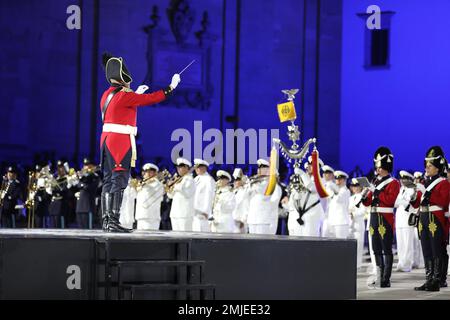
(381, 210)
(430, 208)
(124, 129)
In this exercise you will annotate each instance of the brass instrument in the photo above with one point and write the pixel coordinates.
(170, 184)
(256, 179)
(29, 203)
(3, 190)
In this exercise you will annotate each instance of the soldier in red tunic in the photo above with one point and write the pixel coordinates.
(117, 144)
(381, 200)
(433, 223)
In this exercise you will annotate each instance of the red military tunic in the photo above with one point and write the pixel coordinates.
(387, 198)
(122, 110)
(440, 196)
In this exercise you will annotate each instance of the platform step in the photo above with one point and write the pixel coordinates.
(167, 286)
(156, 262)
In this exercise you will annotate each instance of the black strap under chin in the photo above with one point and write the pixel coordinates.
(108, 100)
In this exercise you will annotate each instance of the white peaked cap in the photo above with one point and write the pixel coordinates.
(222, 173)
(327, 168)
(263, 162)
(238, 173)
(201, 162)
(149, 166)
(406, 174)
(181, 161)
(339, 173)
(418, 174)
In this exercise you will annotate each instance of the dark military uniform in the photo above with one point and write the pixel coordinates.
(10, 198)
(433, 223)
(59, 204)
(41, 205)
(86, 199)
(381, 227)
(166, 205)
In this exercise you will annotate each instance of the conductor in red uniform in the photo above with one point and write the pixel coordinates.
(117, 144)
(433, 223)
(381, 199)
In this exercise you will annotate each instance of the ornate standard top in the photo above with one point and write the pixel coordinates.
(286, 112)
(290, 93)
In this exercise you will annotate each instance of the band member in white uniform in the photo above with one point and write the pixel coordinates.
(304, 203)
(404, 232)
(224, 205)
(263, 210)
(205, 187)
(182, 193)
(357, 215)
(330, 187)
(150, 194)
(338, 216)
(242, 201)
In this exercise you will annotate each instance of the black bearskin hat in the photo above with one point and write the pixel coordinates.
(384, 158)
(115, 69)
(435, 156)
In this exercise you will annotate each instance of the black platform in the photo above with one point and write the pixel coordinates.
(74, 264)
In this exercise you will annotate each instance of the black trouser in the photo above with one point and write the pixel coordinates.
(114, 181)
(381, 233)
(38, 222)
(83, 220)
(8, 220)
(433, 243)
(55, 222)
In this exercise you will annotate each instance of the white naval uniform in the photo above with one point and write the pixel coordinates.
(338, 215)
(148, 205)
(182, 210)
(312, 217)
(263, 210)
(127, 208)
(331, 188)
(357, 226)
(404, 232)
(224, 206)
(240, 212)
(205, 187)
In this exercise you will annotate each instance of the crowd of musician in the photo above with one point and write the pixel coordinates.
(65, 198)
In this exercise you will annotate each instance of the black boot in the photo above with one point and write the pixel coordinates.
(443, 283)
(428, 275)
(386, 278)
(436, 280)
(106, 207)
(113, 218)
(380, 269)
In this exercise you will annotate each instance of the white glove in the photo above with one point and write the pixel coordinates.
(334, 188)
(175, 81)
(141, 89)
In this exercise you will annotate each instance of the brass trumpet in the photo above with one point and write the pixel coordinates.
(170, 184)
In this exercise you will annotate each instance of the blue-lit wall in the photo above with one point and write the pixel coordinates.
(52, 80)
(405, 107)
